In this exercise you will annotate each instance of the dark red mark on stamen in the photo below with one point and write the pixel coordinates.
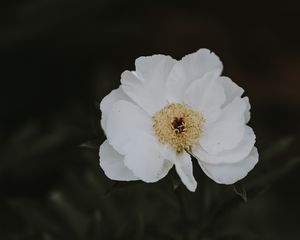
(179, 125)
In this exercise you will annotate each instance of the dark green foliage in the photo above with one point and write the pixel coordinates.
(81, 203)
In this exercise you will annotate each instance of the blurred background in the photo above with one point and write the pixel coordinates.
(59, 58)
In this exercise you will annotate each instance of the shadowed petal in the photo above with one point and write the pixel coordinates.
(228, 130)
(147, 85)
(113, 165)
(231, 89)
(206, 95)
(127, 123)
(184, 169)
(188, 69)
(147, 160)
(107, 103)
(234, 155)
(230, 173)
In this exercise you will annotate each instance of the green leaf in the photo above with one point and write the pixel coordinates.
(92, 144)
(76, 220)
(240, 190)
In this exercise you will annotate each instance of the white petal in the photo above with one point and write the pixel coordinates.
(247, 111)
(228, 156)
(230, 173)
(126, 123)
(113, 165)
(154, 68)
(188, 69)
(129, 131)
(147, 85)
(231, 89)
(227, 131)
(147, 160)
(107, 103)
(184, 168)
(206, 95)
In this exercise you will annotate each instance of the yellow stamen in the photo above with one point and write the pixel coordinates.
(178, 126)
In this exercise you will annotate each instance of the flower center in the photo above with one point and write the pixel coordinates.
(178, 126)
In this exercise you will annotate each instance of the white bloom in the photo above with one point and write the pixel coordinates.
(166, 109)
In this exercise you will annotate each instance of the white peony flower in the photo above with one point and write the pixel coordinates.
(166, 110)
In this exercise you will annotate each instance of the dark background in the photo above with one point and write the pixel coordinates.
(59, 58)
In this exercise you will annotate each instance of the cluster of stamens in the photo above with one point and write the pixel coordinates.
(178, 126)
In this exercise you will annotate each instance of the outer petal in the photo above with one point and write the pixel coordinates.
(247, 111)
(228, 130)
(230, 173)
(129, 131)
(228, 156)
(113, 164)
(126, 123)
(184, 168)
(206, 95)
(147, 85)
(147, 160)
(231, 89)
(107, 103)
(190, 68)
